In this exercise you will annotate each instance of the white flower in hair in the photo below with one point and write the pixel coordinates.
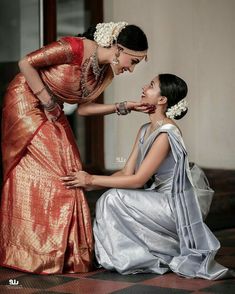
(177, 109)
(107, 33)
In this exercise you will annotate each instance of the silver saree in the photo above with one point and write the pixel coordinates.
(159, 228)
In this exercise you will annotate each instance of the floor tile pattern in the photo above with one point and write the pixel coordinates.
(106, 282)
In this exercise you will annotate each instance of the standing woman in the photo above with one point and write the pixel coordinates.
(46, 228)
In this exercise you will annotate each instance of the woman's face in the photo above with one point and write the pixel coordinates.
(126, 63)
(151, 92)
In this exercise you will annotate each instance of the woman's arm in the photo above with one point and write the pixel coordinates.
(51, 109)
(150, 164)
(128, 169)
(53, 54)
(95, 109)
(102, 109)
(34, 80)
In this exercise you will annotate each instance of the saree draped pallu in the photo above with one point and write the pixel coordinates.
(44, 227)
(159, 228)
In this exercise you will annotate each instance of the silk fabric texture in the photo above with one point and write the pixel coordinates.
(159, 228)
(45, 228)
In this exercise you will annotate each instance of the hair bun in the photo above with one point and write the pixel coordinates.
(183, 113)
(177, 109)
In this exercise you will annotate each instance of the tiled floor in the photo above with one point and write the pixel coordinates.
(104, 282)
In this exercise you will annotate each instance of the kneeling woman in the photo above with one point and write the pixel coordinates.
(152, 219)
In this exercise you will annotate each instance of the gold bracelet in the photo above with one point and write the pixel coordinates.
(39, 92)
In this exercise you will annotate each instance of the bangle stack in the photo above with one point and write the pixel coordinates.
(121, 108)
(50, 105)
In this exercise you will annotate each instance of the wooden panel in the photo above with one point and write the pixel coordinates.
(49, 21)
(222, 210)
(94, 161)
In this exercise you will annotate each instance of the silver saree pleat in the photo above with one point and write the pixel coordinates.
(160, 228)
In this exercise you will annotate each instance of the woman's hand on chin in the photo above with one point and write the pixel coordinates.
(141, 107)
(77, 179)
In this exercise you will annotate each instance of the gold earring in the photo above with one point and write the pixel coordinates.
(115, 60)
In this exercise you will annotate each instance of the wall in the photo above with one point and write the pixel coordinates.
(195, 40)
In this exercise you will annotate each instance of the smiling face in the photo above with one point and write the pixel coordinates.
(151, 92)
(127, 62)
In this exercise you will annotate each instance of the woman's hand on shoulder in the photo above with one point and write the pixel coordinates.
(141, 107)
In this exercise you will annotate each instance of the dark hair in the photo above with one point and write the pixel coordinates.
(89, 34)
(175, 89)
(131, 37)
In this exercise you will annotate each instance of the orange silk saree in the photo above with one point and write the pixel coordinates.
(44, 227)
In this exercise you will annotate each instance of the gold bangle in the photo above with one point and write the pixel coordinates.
(39, 92)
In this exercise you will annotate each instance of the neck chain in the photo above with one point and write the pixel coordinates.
(97, 70)
(91, 65)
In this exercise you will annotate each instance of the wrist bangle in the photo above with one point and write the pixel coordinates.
(127, 109)
(123, 108)
(50, 105)
(117, 109)
(37, 93)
